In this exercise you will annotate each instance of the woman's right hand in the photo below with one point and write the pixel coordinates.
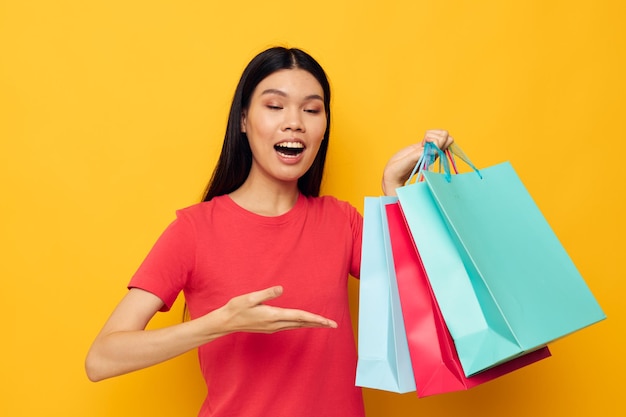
(249, 313)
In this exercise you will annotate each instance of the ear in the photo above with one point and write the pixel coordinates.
(243, 121)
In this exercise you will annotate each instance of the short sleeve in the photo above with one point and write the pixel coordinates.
(356, 225)
(171, 261)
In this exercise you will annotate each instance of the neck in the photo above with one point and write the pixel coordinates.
(266, 199)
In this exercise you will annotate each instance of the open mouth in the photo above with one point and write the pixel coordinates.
(289, 149)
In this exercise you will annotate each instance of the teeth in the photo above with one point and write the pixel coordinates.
(293, 145)
(289, 149)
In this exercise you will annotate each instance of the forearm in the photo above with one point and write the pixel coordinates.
(389, 187)
(121, 352)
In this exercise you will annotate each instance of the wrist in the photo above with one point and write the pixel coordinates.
(212, 325)
(389, 188)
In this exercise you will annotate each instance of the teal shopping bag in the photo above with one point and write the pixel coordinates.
(475, 333)
(383, 354)
(504, 283)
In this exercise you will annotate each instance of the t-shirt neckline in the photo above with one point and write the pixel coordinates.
(294, 212)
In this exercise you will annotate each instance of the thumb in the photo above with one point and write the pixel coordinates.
(268, 294)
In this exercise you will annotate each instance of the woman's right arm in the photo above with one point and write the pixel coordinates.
(123, 345)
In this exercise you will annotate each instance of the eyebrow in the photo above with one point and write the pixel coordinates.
(283, 94)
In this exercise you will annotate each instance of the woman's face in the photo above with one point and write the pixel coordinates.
(285, 124)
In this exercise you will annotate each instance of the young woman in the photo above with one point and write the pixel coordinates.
(263, 253)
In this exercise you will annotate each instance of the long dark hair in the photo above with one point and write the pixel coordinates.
(235, 159)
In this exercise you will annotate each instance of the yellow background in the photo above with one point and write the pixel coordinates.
(112, 114)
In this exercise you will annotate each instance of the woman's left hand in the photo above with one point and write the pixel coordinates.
(400, 165)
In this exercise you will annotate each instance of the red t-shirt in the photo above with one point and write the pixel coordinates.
(216, 250)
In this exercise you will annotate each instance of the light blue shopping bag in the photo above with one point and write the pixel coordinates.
(383, 354)
(503, 281)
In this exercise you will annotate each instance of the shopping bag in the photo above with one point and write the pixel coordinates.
(383, 355)
(436, 365)
(503, 281)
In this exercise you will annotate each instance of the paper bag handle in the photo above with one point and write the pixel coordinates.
(446, 159)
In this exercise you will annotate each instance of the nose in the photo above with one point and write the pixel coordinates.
(293, 120)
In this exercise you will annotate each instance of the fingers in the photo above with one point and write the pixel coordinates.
(249, 313)
(288, 318)
(258, 298)
(271, 319)
(292, 318)
(439, 137)
(400, 165)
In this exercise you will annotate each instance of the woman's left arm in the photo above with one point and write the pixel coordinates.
(400, 165)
